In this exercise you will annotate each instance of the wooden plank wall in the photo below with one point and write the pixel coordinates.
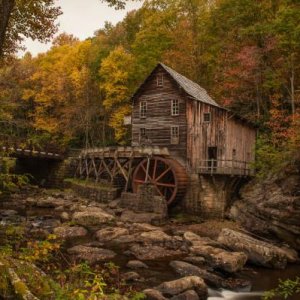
(223, 131)
(202, 135)
(159, 119)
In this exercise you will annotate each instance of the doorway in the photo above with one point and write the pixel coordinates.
(212, 158)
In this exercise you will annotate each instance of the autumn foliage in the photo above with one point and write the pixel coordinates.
(245, 53)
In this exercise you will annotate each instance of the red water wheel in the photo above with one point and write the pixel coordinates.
(167, 175)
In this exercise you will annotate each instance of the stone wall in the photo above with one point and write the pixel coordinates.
(146, 200)
(101, 194)
(209, 196)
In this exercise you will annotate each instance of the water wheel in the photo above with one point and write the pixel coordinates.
(167, 175)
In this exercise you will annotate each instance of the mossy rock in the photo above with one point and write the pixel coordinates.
(24, 281)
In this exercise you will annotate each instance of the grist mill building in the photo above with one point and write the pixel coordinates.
(213, 145)
(188, 149)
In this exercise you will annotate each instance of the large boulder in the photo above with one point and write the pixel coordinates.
(259, 252)
(271, 207)
(185, 269)
(91, 254)
(152, 252)
(70, 232)
(110, 233)
(92, 218)
(182, 285)
(213, 253)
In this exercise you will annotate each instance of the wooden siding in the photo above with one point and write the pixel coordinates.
(224, 131)
(158, 121)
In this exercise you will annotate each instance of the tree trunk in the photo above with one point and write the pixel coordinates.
(6, 8)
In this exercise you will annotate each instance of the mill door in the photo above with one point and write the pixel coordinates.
(212, 158)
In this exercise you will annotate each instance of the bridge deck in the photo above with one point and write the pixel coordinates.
(19, 152)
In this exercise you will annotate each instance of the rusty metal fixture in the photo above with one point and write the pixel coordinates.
(167, 175)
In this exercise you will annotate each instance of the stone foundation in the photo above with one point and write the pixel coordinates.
(209, 196)
(145, 200)
(101, 194)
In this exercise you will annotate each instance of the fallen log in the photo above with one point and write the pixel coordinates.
(259, 252)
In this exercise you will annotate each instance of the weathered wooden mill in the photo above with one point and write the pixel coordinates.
(193, 151)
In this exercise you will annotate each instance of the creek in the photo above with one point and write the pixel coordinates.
(261, 279)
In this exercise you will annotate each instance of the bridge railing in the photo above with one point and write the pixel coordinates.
(225, 167)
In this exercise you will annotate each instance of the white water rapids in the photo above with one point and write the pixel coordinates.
(229, 295)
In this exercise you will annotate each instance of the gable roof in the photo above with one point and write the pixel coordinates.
(190, 87)
(193, 89)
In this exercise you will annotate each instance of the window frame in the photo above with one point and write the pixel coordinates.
(143, 109)
(160, 80)
(143, 133)
(174, 107)
(206, 114)
(175, 137)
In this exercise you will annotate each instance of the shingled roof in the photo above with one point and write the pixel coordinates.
(190, 87)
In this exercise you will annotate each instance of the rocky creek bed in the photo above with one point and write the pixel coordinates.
(175, 260)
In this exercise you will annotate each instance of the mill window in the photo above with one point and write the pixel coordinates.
(175, 135)
(142, 133)
(143, 109)
(175, 107)
(207, 117)
(160, 80)
(233, 154)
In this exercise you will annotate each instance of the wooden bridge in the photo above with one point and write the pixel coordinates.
(16, 151)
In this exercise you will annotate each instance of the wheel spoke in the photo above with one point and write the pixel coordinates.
(144, 169)
(169, 185)
(154, 169)
(159, 191)
(139, 181)
(163, 174)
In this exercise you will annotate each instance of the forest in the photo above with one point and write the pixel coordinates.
(244, 53)
(68, 233)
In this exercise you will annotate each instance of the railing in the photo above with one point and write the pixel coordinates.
(226, 167)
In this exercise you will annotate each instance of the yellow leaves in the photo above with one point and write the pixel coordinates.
(117, 122)
(117, 73)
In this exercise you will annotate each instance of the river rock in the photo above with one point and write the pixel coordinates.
(217, 257)
(91, 254)
(131, 276)
(195, 260)
(8, 212)
(92, 217)
(155, 237)
(153, 294)
(124, 240)
(136, 264)
(150, 252)
(188, 295)
(49, 202)
(185, 269)
(64, 216)
(258, 252)
(68, 232)
(142, 227)
(110, 233)
(132, 217)
(181, 285)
